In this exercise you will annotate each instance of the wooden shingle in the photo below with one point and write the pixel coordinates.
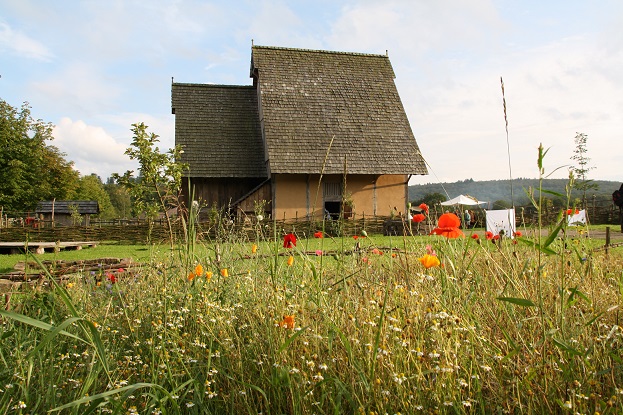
(308, 97)
(219, 131)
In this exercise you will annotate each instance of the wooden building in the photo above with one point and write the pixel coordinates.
(67, 212)
(317, 132)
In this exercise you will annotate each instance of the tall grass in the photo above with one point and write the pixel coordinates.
(524, 325)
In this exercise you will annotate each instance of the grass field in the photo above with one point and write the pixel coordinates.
(370, 325)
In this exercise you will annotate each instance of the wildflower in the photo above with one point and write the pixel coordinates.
(430, 250)
(418, 217)
(355, 236)
(208, 276)
(474, 236)
(318, 234)
(496, 237)
(111, 277)
(120, 270)
(424, 208)
(224, 273)
(290, 260)
(21, 404)
(253, 248)
(377, 252)
(429, 261)
(318, 252)
(70, 285)
(517, 234)
(287, 322)
(489, 235)
(289, 240)
(259, 218)
(448, 226)
(199, 270)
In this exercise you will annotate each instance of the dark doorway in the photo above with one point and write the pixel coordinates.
(332, 210)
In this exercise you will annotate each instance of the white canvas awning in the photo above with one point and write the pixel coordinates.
(462, 200)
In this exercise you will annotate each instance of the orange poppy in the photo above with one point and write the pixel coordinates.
(448, 226)
(225, 273)
(424, 208)
(429, 261)
(290, 260)
(254, 248)
(287, 322)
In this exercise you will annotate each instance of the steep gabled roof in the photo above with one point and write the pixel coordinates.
(84, 207)
(309, 96)
(218, 128)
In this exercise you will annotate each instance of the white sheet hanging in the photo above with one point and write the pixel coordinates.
(501, 220)
(577, 219)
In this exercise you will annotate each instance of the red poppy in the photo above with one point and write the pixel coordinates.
(572, 212)
(112, 277)
(489, 235)
(448, 226)
(474, 236)
(424, 208)
(518, 234)
(417, 218)
(289, 240)
(318, 234)
(496, 237)
(355, 236)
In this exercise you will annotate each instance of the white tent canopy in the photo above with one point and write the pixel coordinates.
(462, 200)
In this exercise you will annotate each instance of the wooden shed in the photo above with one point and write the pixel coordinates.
(68, 212)
(318, 132)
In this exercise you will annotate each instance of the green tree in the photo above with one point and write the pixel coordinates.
(160, 176)
(31, 170)
(581, 169)
(431, 199)
(91, 188)
(119, 197)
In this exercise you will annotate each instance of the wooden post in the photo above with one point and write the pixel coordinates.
(607, 238)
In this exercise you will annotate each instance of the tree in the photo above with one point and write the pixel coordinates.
(581, 169)
(431, 199)
(119, 197)
(30, 169)
(160, 176)
(91, 188)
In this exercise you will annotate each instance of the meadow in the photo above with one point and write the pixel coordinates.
(363, 325)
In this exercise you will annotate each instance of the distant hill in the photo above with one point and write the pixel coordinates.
(495, 190)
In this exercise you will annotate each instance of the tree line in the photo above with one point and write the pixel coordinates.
(34, 170)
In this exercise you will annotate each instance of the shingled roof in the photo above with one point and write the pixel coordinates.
(84, 207)
(219, 130)
(309, 96)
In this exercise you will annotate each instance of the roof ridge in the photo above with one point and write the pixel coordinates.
(378, 55)
(210, 85)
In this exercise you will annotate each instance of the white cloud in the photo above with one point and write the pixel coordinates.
(22, 45)
(92, 149)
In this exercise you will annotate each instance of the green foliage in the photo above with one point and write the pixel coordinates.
(91, 188)
(160, 176)
(431, 199)
(30, 169)
(581, 169)
(119, 197)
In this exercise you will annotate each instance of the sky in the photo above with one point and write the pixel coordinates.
(93, 68)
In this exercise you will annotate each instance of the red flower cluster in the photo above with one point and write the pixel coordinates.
(572, 212)
(418, 217)
(424, 208)
(289, 240)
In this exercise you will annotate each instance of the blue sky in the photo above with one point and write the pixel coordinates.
(93, 68)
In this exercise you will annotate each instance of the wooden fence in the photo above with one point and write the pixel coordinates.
(158, 232)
